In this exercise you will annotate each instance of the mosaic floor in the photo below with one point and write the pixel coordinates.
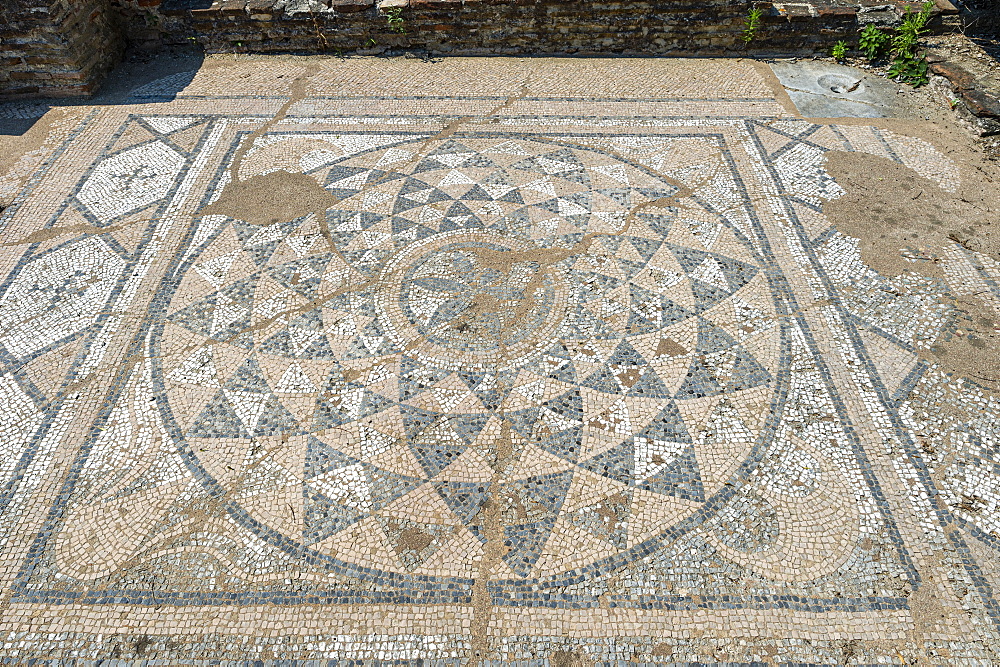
(505, 365)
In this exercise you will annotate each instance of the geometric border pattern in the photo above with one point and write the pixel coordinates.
(785, 220)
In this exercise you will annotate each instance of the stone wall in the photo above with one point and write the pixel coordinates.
(524, 27)
(57, 47)
(61, 47)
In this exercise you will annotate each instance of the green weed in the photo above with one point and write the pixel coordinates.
(909, 69)
(751, 24)
(394, 17)
(839, 51)
(873, 42)
(913, 28)
(908, 64)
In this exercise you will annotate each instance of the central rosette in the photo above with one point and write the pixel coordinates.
(462, 299)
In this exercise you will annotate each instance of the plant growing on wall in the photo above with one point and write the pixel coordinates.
(751, 24)
(394, 17)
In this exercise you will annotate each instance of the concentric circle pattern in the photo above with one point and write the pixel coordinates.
(472, 300)
(534, 323)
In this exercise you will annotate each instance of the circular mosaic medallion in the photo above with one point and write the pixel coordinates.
(472, 300)
(529, 321)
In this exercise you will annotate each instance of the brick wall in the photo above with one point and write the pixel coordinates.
(56, 47)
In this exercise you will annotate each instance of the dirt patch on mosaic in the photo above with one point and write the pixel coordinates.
(973, 348)
(277, 196)
(891, 208)
(493, 550)
(928, 612)
(569, 659)
(272, 198)
(986, 558)
(906, 222)
(414, 539)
